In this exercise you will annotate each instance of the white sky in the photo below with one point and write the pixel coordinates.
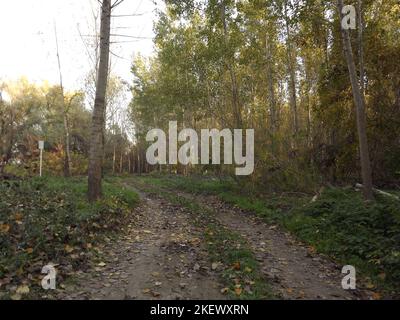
(27, 38)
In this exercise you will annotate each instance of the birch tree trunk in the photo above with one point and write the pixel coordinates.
(97, 130)
(360, 111)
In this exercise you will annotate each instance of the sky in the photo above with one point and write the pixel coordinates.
(28, 45)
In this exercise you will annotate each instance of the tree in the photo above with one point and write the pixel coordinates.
(67, 146)
(359, 102)
(98, 118)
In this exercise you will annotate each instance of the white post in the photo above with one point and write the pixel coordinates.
(41, 147)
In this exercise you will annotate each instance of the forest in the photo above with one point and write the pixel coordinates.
(317, 81)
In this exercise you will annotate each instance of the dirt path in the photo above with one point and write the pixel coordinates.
(160, 257)
(291, 269)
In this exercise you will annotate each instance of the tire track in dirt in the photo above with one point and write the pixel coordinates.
(293, 271)
(160, 256)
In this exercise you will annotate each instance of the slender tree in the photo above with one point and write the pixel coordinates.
(67, 144)
(97, 130)
(359, 102)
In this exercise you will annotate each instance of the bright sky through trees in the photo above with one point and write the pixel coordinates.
(28, 41)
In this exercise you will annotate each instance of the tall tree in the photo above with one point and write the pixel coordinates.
(359, 102)
(291, 68)
(67, 145)
(98, 118)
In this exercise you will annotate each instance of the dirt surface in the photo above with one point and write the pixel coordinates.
(161, 256)
(293, 270)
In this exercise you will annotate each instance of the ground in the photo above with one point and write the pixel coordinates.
(166, 253)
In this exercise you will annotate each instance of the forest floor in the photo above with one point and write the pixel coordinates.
(172, 237)
(180, 245)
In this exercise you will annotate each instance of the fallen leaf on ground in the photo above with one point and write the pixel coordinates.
(16, 297)
(4, 228)
(68, 248)
(23, 290)
(236, 265)
(376, 296)
(215, 265)
(102, 264)
(238, 291)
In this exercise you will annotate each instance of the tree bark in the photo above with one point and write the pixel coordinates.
(97, 130)
(359, 102)
(292, 74)
(271, 89)
(361, 45)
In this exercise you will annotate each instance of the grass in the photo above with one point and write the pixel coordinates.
(241, 272)
(339, 223)
(46, 220)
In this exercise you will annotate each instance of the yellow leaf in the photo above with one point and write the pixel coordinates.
(370, 285)
(238, 291)
(4, 228)
(101, 264)
(23, 290)
(248, 270)
(68, 248)
(29, 250)
(376, 296)
(236, 265)
(16, 297)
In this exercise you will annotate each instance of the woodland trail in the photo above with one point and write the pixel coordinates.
(163, 255)
(293, 270)
(159, 257)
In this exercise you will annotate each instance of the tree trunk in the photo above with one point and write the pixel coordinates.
(271, 89)
(67, 158)
(292, 74)
(230, 63)
(361, 45)
(113, 165)
(97, 130)
(360, 111)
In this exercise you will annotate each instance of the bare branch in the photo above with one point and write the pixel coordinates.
(116, 3)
